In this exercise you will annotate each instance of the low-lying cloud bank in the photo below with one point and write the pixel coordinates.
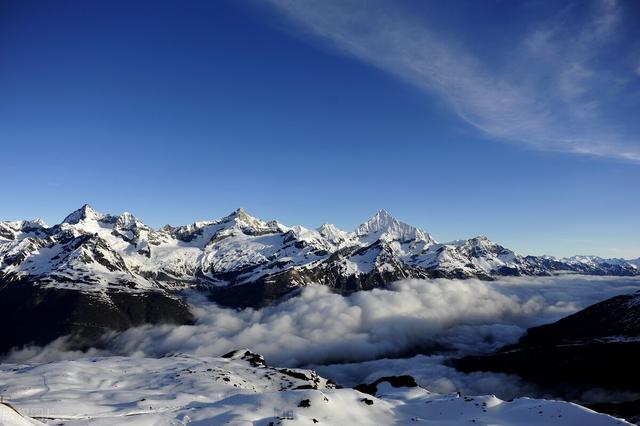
(319, 327)
(349, 339)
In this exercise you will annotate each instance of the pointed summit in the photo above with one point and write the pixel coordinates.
(86, 212)
(383, 226)
(128, 221)
(240, 215)
(329, 229)
(381, 220)
(242, 220)
(333, 234)
(39, 222)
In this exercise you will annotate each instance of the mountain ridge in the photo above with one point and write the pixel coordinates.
(241, 249)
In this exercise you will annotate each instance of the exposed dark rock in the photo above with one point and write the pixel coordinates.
(395, 381)
(34, 314)
(294, 374)
(254, 359)
(257, 294)
(305, 403)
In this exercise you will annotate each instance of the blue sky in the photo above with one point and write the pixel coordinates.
(518, 120)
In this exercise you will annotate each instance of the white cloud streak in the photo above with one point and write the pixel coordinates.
(549, 99)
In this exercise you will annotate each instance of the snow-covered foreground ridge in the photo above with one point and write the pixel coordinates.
(92, 251)
(240, 389)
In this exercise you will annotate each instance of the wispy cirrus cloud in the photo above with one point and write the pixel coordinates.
(552, 98)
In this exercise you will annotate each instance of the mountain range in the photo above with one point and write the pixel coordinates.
(96, 270)
(91, 251)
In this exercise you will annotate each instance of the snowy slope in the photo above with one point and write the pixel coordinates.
(9, 416)
(240, 389)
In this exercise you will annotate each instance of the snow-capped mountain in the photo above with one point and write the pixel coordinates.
(93, 251)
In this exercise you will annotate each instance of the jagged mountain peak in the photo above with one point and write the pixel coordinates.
(240, 249)
(241, 218)
(384, 226)
(327, 228)
(336, 236)
(37, 222)
(24, 224)
(481, 241)
(478, 240)
(10, 230)
(241, 214)
(128, 221)
(86, 212)
(381, 221)
(128, 218)
(384, 214)
(331, 231)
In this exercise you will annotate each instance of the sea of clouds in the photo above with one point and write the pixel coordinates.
(348, 338)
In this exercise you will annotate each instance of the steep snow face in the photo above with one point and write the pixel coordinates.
(9, 416)
(337, 237)
(384, 227)
(203, 233)
(422, 257)
(475, 256)
(382, 248)
(10, 231)
(240, 248)
(88, 250)
(85, 212)
(94, 250)
(240, 388)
